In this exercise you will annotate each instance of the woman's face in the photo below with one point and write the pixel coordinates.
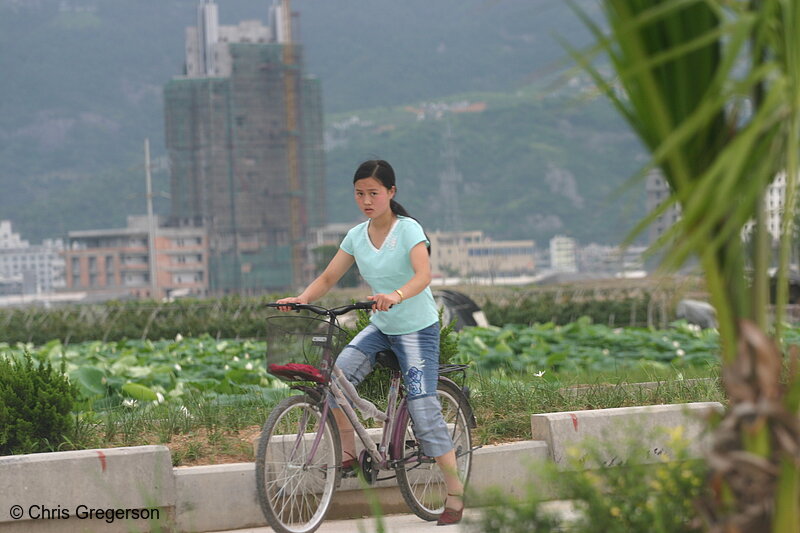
(372, 197)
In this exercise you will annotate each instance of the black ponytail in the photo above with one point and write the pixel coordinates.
(398, 209)
(382, 171)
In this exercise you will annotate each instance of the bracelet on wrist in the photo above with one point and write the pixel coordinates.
(399, 292)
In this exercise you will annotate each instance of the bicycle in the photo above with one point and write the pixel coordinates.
(299, 458)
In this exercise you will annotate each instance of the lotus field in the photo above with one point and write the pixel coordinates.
(114, 373)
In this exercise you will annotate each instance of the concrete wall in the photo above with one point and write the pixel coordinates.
(652, 426)
(211, 498)
(56, 491)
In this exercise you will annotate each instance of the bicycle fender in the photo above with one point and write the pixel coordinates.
(397, 445)
(311, 392)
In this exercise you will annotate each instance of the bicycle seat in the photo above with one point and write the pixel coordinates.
(388, 359)
(297, 372)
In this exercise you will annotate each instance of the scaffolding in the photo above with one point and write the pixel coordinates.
(229, 141)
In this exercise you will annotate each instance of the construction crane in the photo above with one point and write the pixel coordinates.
(292, 145)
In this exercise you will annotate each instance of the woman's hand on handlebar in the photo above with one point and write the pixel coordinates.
(384, 301)
(290, 300)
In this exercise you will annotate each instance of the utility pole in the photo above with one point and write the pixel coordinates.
(450, 182)
(151, 225)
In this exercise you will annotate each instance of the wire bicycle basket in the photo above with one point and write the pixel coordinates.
(302, 348)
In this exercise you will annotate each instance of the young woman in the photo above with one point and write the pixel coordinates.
(391, 251)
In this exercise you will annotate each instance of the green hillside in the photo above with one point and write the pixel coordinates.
(533, 165)
(83, 79)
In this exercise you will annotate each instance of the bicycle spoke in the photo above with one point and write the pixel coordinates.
(420, 479)
(295, 489)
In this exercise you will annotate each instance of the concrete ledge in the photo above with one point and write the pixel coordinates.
(55, 491)
(217, 497)
(507, 466)
(220, 497)
(223, 497)
(562, 431)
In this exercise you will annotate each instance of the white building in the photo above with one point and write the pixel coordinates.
(775, 201)
(330, 234)
(657, 192)
(470, 254)
(207, 51)
(30, 268)
(563, 254)
(598, 258)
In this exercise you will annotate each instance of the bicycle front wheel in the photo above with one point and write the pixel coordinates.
(420, 479)
(296, 479)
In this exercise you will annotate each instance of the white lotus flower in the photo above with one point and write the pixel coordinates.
(178, 337)
(249, 366)
(539, 374)
(177, 367)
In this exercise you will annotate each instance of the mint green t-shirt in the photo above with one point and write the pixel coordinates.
(388, 268)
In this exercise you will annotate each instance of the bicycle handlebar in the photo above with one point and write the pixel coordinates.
(335, 311)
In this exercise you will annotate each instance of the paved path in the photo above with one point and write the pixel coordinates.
(410, 523)
(401, 523)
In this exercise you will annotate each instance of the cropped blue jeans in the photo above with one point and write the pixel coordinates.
(418, 355)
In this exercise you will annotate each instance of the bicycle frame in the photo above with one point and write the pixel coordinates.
(298, 472)
(346, 396)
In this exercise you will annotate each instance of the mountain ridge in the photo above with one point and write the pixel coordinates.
(84, 88)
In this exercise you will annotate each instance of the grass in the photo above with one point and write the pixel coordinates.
(504, 406)
(205, 430)
(201, 430)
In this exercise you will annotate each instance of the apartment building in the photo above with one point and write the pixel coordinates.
(563, 254)
(472, 254)
(117, 262)
(239, 166)
(27, 268)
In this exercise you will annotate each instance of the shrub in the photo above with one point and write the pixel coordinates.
(639, 496)
(36, 403)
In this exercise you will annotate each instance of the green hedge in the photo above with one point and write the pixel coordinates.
(239, 317)
(628, 311)
(229, 318)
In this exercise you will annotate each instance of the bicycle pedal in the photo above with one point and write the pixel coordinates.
(349, 472)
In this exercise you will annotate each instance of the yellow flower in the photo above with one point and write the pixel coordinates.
(676, 433)
(615, 511)
(573, 452)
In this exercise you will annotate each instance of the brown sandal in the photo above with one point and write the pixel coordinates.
(451, 516)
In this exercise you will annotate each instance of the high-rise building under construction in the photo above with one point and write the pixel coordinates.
(244, 138)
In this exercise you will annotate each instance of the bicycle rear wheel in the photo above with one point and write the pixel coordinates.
(295, 482)
(420, 479)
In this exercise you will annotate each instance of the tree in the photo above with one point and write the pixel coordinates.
(712, 88)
